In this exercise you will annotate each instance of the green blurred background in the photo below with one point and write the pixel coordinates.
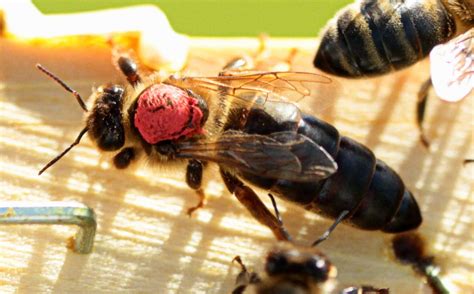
(278, 18)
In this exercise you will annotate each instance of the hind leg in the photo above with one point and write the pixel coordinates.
(254, 205)
(420, 110)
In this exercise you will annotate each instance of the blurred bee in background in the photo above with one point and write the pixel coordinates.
(374, 37)
(291, 269)
(295, 270)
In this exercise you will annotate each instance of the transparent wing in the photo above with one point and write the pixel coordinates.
(256, 87)
(452, 67)
(282, 155)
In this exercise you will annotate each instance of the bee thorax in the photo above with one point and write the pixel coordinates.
(166, 112)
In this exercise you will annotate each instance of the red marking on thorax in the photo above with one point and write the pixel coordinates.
(166, 112)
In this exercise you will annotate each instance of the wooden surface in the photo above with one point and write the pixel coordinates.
(145, 242)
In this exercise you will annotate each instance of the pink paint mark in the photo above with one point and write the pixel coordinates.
(166, 112)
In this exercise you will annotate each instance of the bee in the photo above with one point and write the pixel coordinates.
(291, 269)
(371, 38)
(248, 124)
(409, 248)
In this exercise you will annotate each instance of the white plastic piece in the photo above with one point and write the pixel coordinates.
(160, 47)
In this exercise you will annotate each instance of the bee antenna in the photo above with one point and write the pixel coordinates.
(64, 85)
(78, 139)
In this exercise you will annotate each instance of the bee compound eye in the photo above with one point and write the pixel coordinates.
(276, 263)
(106, 129)
(105, 119)
(317, 268)
(115, 90)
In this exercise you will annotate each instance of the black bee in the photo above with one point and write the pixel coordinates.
(374, 37)
(245, 122)
(294, 270)
(409, 248)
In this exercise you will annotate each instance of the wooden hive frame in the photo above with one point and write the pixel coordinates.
(146, 243)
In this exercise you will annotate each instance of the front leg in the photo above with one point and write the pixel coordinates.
(254, 205)
(245, 278)
(125, 62)
(194, 173)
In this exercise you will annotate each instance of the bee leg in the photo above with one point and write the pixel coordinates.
(237, 64)
(124, 61)
(420, 110)
(263, 50)
(409, 248)
(254, 205)
(244, 63)
(248, 63)
(286, 65)
(194, 172)
(124, 158)
(202, 201)
(275, 208)
(244, 278)
(130, 69)
(263, 53)
(467, 161)
(328, 232)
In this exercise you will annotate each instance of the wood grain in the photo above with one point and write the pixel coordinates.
(146, 243)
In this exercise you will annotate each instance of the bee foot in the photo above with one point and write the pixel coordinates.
(201, 203)
(191, 210)
(424, 141)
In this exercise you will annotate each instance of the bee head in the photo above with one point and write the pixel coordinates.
(308, 264)
(104, 121)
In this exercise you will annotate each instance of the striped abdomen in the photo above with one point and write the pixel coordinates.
(373, 193)
(375, 37)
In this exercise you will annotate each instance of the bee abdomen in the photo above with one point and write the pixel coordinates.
(346, 189)
(408, 216)
(324, 135)
(375, 37)
(387, 206)
(373, 193)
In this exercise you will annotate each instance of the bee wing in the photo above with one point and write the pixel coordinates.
(282, 155)
(452, 67)
(256, 87)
